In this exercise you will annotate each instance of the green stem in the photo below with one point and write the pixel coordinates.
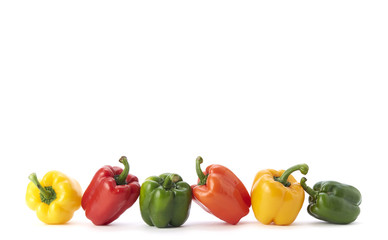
(303, 168)
(34, 179)
(169, 180)
(121, 179)
(202, 177)
(308, 189)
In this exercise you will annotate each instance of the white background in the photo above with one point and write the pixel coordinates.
(247, 84)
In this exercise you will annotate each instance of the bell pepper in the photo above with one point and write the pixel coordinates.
(333, 202)
(111, 192)
(220, 192)
(55, 198)
(276, 196)
(165, 200)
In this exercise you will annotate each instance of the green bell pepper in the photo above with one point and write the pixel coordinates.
(333, 202)
(165, 200)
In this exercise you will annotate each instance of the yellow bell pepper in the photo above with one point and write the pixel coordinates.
(55, 198)
(276, 196)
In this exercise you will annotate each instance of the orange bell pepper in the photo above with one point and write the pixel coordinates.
(221, 193)
(276, 196)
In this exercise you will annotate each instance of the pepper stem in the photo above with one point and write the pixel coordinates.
(308, 189)
(303, 168)
(202, 177)
(34, 179)
(169, 180)
(121, 179)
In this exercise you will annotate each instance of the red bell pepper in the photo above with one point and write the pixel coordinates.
(220, 192)
(111, 192)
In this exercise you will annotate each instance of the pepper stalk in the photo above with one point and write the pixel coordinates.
(202, 177)
(121, 179)
(308, 189)
(47, 194)
(283, 179)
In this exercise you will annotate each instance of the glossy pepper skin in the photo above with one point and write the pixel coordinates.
(111, 192)
(55, 198)
(165, 200)
(333, 202)
(220, 192)
(276, 196)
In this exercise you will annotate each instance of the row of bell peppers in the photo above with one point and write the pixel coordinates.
(276, 196)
